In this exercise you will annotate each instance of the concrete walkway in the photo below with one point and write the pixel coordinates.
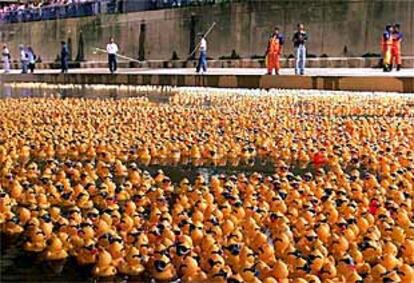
(313, 72)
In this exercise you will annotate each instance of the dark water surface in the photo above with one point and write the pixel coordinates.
(9, 91)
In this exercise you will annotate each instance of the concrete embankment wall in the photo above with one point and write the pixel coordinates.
(361, 83)
(336, 28)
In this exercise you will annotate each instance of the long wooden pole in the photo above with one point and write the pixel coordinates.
(205, 35)
(118, 55)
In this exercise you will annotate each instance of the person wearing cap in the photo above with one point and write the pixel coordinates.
(6, 58)
(64, 55)
(386, 46)
(112, 50)
(397, 37)
(299, 43)
(274, 49)
(23, 58)
(202, 60)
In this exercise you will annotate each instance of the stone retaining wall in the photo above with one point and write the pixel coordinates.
(392, 84)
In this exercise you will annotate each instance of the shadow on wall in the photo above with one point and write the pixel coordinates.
(141, 50)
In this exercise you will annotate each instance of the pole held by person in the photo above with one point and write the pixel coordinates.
(205, 36)
(117, 55)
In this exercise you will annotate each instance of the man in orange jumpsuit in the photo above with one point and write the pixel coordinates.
(386, 47)
(274, 49)
(397, 37)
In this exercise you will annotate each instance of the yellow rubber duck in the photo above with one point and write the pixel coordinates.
(104, 266)
(132, 265)
(55, 249)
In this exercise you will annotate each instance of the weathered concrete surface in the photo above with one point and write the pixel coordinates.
(323, 79)
(338, 62)
(336, 27)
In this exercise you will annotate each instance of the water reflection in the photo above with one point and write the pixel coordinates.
(154, 94)
(6, 91)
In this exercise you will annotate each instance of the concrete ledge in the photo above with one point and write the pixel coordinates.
(359, 83)
(337, 62)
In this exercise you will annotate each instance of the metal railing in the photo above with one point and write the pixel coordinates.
(95, 7)
(52, 12)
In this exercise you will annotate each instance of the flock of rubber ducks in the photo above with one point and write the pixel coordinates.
(338, 207)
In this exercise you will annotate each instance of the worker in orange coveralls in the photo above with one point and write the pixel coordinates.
(397, 37)
(274, 49)
(386, 47)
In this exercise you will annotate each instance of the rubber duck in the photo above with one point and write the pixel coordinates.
(87, 253)
(250, 273)
(267, 253)
(162, 268)
(220, 273)
(317, 260)
(377, 273)
(406, 273)
(340, 246)
(280, 271)
(10, 222)
(191, 271)
(407, 249)
(37, 241)
(54, 249)
(390, 262)
(132, 265)
(346, 266)
(328, 271)
(232, 253)
(116, 249)
(104, 266)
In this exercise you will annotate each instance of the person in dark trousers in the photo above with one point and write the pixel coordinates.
(202, 60)
(112, 50)
(299, 43)
(31, 57)
(23, 58)
(397, 38)
(64, 55)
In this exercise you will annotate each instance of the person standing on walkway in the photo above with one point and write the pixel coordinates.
(202, 60)
(397, 37)
(386, 46)
(274, 49)
(112, 50)
(5, 54)
(23, 58)
(64, 55)
(299, 43)
(31, 57)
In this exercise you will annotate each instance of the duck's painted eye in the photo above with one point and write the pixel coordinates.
(160, 265)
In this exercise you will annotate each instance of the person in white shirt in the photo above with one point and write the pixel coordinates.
(23, 58)
(112, 50)
(202, 60)
(6, 58)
